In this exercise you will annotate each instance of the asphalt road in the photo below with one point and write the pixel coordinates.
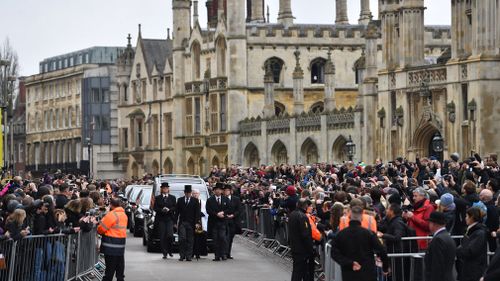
(247, 266)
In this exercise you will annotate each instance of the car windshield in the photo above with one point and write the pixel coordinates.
(146, 197)
(180, 193)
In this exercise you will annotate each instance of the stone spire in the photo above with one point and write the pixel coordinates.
(298, 85)
(329, 83)
(257, 11)
(269, 92)
(341, 11)
(371, 36)
(366, 15)
(484, 25)
(220, 9)
(285, 16)
(390, 42)
(195, 12)
(411, 34)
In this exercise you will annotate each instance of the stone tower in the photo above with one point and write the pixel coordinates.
(237, 75)
(256, 11)
(182, 30)
(285, 15)
(341, 12)
(389, 11)
(411, 33)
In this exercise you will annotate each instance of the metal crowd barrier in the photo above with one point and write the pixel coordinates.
(405, 266)
(55, 257)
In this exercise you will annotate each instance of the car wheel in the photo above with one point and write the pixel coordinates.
(137, 233)
(150, 247)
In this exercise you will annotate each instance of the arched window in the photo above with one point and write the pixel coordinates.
(276, 67)
(279, 108)
(318, 107)
(196, 60)
(318, 71)
(221, 56)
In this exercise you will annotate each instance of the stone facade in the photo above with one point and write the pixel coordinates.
(54, 138)
(245, 91)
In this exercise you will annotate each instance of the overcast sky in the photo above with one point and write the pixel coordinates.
(39, 29)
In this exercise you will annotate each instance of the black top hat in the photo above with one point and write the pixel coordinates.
(219, 185)
(228, 186)
(188, 188)
(438, 218)
(164, 184)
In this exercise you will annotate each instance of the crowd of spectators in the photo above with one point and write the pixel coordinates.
(397, 197)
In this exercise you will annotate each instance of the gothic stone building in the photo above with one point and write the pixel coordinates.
(246, 91)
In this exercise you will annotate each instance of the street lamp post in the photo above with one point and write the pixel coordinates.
(350, 148)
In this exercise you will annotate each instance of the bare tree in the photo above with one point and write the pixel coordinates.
(8, 72)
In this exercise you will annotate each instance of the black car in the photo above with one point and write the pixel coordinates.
(131, 193)
(142, 203)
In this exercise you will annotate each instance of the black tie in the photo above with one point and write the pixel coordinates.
(187, 201)
(218, 200)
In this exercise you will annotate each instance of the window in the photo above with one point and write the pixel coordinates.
(197, 115)
(63, 118)
(125, 92)
(97, 122)
(95, 95)
(77, 113)
(168, 88)
(87, 58)
(196, 60)
(139, 133)
(279, 108)
(214, 120)
(317, 107)
(318, 71)
(168, 128)
(223, 112)
(189, 116)
(57, 118)
(393, 109)
(276, 65)
(465, 100)
(144, 90)
(155, 89)
(105, 96)
(125, 138)
(221, 56)
(71, 61)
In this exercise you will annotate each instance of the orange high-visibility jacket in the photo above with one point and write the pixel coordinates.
(113, 228)
(316, 235)
(367, 222)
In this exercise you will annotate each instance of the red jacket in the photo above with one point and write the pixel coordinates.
(420, 222)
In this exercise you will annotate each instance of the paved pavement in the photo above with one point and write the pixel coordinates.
(247, 266)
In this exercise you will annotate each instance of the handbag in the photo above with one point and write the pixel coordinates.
(3, 264)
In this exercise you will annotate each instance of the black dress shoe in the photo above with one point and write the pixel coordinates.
(224, 258)
(171, 255)
(188, 259)
(164, 257)
(216, 259)
(230, 258)
(181, 259)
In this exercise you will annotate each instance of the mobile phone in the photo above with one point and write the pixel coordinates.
(427, 181)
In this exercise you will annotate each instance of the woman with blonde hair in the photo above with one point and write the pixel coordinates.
(14, 224)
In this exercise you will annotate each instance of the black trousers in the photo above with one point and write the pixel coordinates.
(231, 231)
(219, 236)
(114, 265)
(166, 235)
(186, 240)
(303, 268)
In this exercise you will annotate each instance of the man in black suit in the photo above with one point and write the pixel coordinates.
(301, 242)
(440, 256)
(164, 207)
(354, 249)
(217, 209)
(233, 218)
(188, 210)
